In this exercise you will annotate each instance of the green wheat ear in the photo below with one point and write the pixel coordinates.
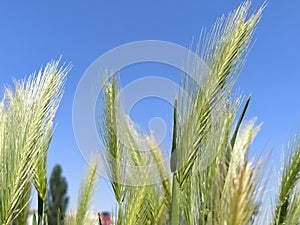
(287, 208)
(26, 121)
(87, 187)
(224, 51)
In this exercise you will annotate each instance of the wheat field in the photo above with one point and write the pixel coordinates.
(224, 187)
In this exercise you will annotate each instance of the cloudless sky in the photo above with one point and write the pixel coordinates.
(34, 32)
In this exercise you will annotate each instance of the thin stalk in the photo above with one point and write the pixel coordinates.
(175, 202)
(40, 209)
(46, 209)
(58, 216)
(120, 215)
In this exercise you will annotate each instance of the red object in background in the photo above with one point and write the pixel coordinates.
(105, 218)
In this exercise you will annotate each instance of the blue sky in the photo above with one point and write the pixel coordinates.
(34, 32)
